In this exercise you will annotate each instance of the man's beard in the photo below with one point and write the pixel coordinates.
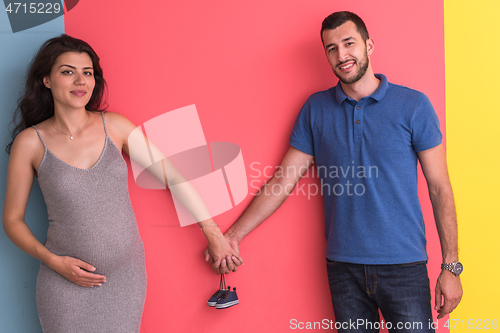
(362, 68)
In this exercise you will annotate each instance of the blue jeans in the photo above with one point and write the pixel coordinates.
(401, 292)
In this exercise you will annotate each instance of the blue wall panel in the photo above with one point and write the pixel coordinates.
(18, 270)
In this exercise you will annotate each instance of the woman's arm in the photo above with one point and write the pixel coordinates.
(122, 132)
(25, 154)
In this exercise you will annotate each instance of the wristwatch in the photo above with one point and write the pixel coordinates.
(455, 267)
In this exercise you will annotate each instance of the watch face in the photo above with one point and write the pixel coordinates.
(458, 268)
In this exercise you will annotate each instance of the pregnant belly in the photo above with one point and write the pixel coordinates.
(106, 246)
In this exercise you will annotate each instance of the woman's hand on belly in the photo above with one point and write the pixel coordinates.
(76, 271)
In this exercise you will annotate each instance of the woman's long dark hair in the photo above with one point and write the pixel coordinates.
(36, 104)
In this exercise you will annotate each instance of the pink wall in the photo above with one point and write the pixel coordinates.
(248, 67)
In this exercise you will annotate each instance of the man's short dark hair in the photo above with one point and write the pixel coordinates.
(336, 19)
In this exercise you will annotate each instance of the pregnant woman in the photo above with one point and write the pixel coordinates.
(92, 276)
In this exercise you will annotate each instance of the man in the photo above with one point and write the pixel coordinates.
(366, 136)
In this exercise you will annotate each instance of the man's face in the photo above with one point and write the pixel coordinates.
(346, 52)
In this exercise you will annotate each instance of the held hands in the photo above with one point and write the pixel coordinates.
(222, 252)
(449, 287)
(76, 271)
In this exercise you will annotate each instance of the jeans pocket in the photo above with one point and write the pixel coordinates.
(331, 262)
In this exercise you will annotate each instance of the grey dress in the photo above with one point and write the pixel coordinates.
(91, 218)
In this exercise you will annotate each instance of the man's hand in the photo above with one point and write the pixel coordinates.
(449, 287)
(227, 264)
(77, 271)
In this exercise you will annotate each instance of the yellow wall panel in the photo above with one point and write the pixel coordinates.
(472, 53)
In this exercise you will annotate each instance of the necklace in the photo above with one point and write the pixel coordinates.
(70, 135)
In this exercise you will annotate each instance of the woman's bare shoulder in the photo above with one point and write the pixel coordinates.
(27, 138)
(119, 128)
(27, 146)
(114, 116)
(118, 122)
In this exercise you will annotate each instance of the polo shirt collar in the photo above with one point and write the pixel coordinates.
(376, 95)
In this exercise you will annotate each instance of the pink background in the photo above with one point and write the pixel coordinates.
(248, 66)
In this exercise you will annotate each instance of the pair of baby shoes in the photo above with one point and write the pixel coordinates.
(224, 297)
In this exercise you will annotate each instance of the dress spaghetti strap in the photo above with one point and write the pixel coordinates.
(40, 136)
(104, 123)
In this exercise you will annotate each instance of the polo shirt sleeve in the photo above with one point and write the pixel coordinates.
(425, 126)
(302, 137)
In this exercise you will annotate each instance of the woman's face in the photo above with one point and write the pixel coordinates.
(71, 81)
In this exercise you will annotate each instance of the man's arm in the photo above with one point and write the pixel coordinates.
(433, 162)
(293, 166)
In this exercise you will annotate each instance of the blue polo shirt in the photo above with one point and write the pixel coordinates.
(366, 159)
